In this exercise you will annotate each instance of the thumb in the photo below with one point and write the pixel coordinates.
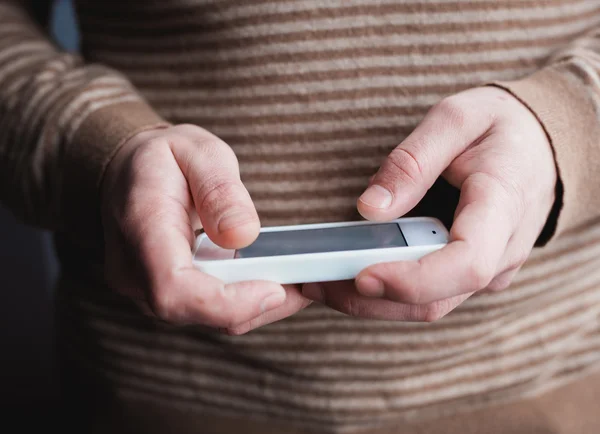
(411, 169)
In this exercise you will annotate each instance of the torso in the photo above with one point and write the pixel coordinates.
(312, 96)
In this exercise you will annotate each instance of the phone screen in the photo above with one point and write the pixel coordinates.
(360, 237)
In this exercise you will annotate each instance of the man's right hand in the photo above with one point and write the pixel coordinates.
(157, 190)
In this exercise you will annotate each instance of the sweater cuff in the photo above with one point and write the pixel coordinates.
(563, 104)
(91, 147)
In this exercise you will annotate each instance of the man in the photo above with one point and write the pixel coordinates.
(303, 101)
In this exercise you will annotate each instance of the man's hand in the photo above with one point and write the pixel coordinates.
(485, 142)
(156, 191)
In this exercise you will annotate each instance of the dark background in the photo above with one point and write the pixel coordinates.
(28, 269)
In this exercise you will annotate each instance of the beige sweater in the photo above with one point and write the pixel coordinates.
(311, 95)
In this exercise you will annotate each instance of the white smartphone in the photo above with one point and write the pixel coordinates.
(320, 252)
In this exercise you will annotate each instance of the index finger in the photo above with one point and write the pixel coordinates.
(468, 263)
(222, 202)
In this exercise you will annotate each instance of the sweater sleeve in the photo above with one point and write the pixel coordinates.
(61, 121)
(565, 97)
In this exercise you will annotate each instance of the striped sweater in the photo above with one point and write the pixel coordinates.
(311, 95)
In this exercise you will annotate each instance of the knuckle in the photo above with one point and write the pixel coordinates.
(480, 275)
(151, 146)
(217, 308)
(407, 290)
(162, 300)
(435, 311)
(515, 137)
(206, 151)
(162, 305)
(214, 194)
(140, 154)
(194, 133)
(223, 317)
(187, 128)
(405, 165)
(155, 142)
(238, 330)
(411, 294)
(497, 285)
(520, 258)
(453, 111)
(480, 272)
(215, 148)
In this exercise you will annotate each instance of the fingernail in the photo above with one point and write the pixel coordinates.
(370, 286)
(377, 197)
(272, 301)
(313, 291)
(234, 219)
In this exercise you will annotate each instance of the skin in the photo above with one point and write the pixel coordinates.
(156, 190)
(490, 146)
(162, 183)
